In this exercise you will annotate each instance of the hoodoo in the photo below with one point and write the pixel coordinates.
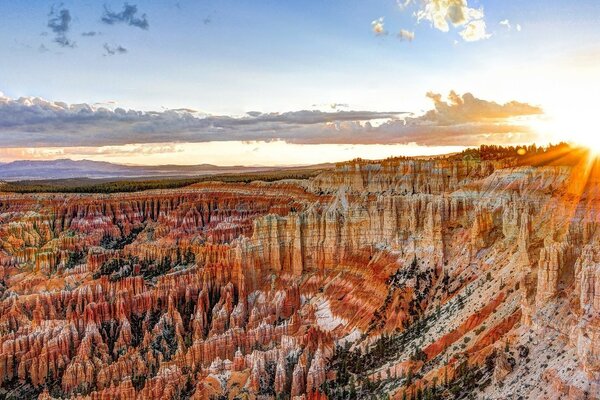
(397, 277)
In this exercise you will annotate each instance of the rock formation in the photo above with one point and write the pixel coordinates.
(398, 277)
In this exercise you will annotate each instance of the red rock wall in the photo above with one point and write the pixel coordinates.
(223, 289)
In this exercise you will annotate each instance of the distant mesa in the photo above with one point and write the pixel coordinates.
(66, 169)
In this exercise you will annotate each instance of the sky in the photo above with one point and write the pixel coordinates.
(289, 83)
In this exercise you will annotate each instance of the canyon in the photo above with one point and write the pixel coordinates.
(439, 278)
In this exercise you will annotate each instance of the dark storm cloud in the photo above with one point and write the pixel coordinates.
(59, 21)
(461, 120)
(128, 16)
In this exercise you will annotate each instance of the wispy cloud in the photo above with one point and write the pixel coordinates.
(333, 106)
(128, 16)
(403, 3)
(339, 105)
(114, 50)
(59, 21)
(457, 120)
(406, 35)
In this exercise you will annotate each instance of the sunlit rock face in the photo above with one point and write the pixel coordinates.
(404, 278)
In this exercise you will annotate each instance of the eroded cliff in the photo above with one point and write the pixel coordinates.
(442, 277)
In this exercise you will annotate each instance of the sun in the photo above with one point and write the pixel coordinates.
(579, 127)
(592, 142)
(575, 128)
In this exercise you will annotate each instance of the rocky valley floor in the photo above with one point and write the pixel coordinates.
(446, 278)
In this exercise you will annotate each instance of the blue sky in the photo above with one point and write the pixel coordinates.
(231, 57)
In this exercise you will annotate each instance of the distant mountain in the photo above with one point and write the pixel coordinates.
(66, 168)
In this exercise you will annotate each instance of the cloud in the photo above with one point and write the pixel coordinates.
(127, 16)
(442, 14)
(403, 3)
(32, 153)
(113, 50)
(332, 106)
(457, 120)
(378, 27)
(406, 35)
(339, 105)
(468, 108)
(133, 149)
(506, 23)
(474, 31)
(59, 21)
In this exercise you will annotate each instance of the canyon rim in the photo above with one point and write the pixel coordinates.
(316, 200)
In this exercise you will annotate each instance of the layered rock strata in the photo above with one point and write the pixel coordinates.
(399, 277)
